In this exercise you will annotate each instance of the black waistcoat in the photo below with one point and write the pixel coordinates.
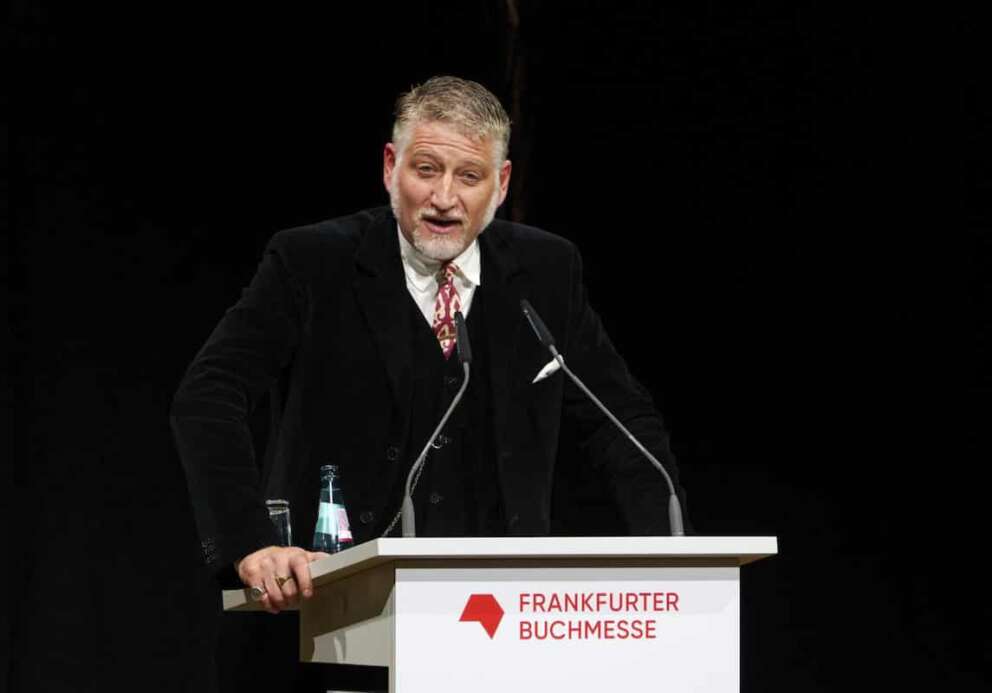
(458, 491)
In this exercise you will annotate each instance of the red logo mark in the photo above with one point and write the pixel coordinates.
(486, 610)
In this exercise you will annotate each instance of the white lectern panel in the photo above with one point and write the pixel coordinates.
(567, 629)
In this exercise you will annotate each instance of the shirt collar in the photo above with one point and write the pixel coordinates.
(422, 270)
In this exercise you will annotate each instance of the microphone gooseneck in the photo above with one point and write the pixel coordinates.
(544, 337)
(407, 515)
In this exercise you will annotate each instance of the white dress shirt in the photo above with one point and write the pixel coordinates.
(421, 276)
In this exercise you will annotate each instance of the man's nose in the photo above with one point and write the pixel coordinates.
(443, 196)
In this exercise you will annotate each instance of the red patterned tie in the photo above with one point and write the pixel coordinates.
(447, 303)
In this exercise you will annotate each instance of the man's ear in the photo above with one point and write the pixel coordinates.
(504, 179)
(388, 164)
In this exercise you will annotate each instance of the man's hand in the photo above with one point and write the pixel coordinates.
(268, 567)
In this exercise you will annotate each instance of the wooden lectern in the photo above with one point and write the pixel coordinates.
(532, 614)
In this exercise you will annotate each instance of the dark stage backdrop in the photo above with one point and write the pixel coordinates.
(728, 167)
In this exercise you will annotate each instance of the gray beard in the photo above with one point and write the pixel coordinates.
(443, 249)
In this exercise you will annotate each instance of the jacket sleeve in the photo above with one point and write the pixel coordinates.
(243, 356)
(637, 486)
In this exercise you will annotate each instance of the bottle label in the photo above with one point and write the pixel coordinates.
(344, 529)
(326, 519)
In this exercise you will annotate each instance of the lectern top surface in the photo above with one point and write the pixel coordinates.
(740, 550)
(747, 548)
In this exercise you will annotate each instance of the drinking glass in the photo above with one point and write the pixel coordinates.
(279, 514)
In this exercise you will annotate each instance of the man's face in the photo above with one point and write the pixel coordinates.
(444, 187)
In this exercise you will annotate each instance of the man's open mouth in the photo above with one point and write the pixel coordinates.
(441, 224)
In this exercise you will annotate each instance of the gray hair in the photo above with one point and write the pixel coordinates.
(466, 105)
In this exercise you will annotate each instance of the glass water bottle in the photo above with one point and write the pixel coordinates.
(332, 533)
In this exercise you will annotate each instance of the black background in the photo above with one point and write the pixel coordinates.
(734, 176)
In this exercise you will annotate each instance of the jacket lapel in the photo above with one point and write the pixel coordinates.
(505, 284)
(380, 290)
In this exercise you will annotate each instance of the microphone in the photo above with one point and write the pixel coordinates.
(461, 339)
(545, 338)
(407, 515)
(540, 329)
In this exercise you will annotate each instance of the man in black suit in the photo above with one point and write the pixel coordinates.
(347, 325)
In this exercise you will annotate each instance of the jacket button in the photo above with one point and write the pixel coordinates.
(366, 517)
(392, 453)
(436, 498)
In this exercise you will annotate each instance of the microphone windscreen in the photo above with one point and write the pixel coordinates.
(536, 324)
(461, 339)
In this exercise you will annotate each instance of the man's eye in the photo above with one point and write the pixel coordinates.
(425, 169)
(471, 177)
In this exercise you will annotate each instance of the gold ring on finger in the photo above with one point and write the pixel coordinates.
(280, 580)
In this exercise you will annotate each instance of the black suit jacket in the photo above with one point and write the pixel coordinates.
(324, 326)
